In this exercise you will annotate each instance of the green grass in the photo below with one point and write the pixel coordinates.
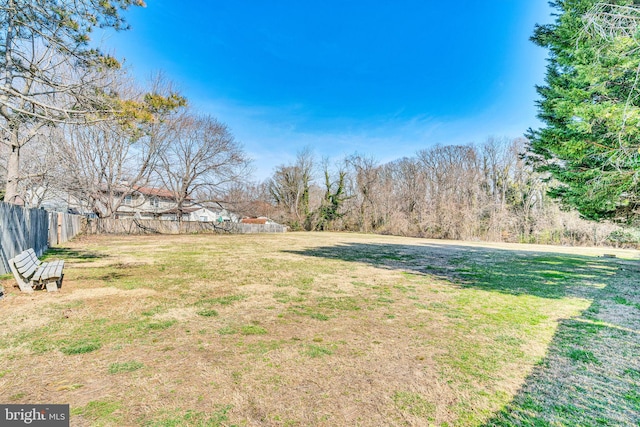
(99, 412)
(263, 347)
(633, 397)
(80, 347)
(160, 325)
(96, 332)
(284, 297)
(584, 356)
(117, 368)
(338, 303)
(622, 300)
(291, 327)
(634, 374)
(227, 330)
(217, 418)
(318, 316)
(225, 300)
(313, 350)
(310, 311)
(414, 404)
(252, 330)
(208, 313)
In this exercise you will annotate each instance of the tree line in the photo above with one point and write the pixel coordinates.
(487, 191)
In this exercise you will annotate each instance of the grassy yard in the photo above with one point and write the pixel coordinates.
(310, 329)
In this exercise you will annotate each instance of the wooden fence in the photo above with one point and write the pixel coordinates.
(136, 226)
(64, 227)
(22, 228)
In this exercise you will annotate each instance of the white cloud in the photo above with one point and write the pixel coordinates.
(273, 135)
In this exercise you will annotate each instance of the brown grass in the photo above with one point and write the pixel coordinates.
(311, 330)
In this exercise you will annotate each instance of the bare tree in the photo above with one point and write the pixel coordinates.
(49, 75)
(247, 199)
(364, 184)
(456, 192)
(104, 162)
(201, 156)
(290, 188)
(330, 209)
(409, 189)
(608, 21)
(452, 184)
(45, 171)
(105, 165)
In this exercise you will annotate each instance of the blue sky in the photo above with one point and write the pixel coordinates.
(381, 78)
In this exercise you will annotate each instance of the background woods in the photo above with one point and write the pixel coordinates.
(485, 192)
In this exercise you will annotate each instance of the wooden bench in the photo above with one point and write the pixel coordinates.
(31, 273)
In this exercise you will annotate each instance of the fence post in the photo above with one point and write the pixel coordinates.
(59, 228)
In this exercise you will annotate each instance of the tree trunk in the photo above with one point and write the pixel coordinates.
(13, 170)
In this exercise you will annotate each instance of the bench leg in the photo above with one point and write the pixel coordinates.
(52, 286)
(24, 286)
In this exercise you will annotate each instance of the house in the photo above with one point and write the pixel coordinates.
(258, 220)
(148, 203)
(198, 213)
(139, 202)
(209, 214)
(157, 203)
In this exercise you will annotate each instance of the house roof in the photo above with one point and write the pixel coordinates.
(254, 220)
(184, 210)
(151, 191)
(147, 191)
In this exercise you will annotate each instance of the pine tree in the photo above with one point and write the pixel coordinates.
(590, 146)
(49, 72)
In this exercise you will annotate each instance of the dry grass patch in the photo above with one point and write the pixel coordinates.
(322, 329)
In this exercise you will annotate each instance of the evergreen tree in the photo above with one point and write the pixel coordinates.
(49, 73)
(590, 104)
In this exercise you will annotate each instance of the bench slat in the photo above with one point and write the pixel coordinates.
(23, 259)
(34, 257)
(25, 265)
(27, 271)
(47, 273)
(38, 273)
(41, 272)
(57, 269)
(49, 270)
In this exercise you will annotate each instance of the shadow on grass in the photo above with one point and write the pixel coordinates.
(72, 255)
(590, 375)
(546, 275)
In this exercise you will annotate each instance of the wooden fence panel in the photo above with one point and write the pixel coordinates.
(135, 226)
(22, 229)
(63, 227)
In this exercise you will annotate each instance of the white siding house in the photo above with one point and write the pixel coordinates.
(205, 214)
